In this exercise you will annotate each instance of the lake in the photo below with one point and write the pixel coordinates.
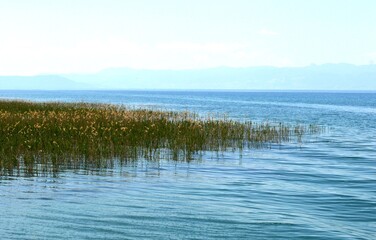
(324, 188)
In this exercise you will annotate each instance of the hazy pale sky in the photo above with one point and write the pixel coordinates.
(70, 36)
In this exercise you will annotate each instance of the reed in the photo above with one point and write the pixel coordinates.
(52, 135)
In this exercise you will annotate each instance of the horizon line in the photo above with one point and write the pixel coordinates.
(193, 90)
(184, 69)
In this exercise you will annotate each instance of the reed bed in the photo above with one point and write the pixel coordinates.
(52, 135)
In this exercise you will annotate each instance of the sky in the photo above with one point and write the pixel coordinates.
(86, 36)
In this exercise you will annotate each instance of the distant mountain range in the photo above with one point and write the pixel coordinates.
(43, 82)
(314, 77)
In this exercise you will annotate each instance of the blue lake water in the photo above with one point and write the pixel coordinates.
(322, 189)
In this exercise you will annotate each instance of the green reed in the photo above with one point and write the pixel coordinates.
(51, 135)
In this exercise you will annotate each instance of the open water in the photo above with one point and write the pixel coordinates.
(324, 188)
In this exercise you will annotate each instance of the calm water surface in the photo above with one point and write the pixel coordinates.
(322, 189)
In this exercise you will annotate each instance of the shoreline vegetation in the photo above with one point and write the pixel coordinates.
(49, 136)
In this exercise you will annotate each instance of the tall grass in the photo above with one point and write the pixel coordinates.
(75, 134)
